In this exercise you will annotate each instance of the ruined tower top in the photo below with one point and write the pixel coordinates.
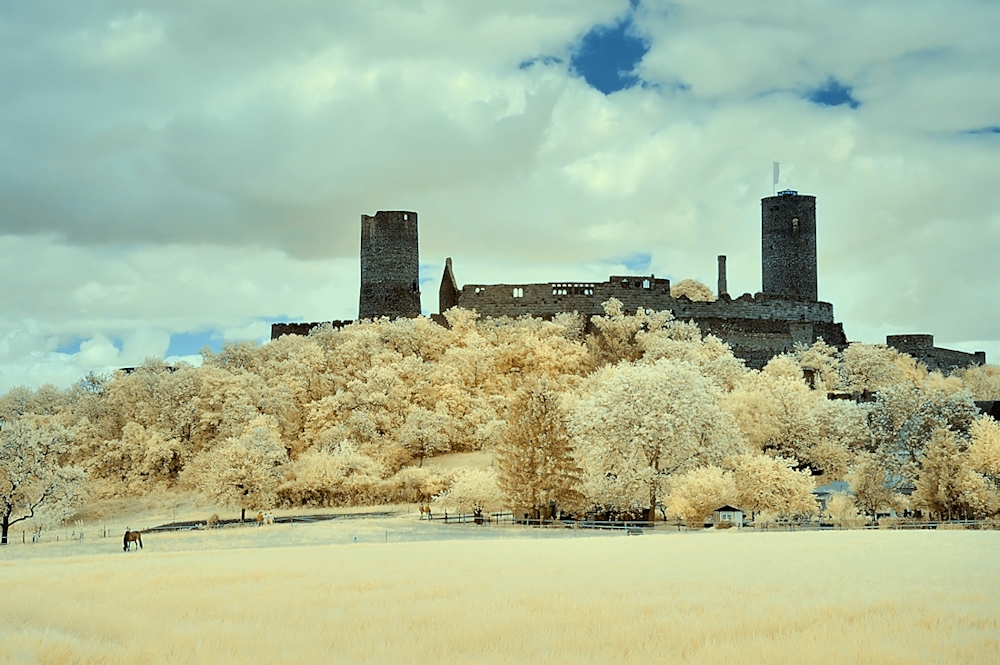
(390, 265)
(788, 246)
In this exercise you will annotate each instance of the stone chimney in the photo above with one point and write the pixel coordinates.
(723, 289)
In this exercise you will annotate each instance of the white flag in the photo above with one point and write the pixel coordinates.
(775, 172)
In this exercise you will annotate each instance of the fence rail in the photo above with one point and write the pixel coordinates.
(630, 527)
(287, 519)
(635, 527)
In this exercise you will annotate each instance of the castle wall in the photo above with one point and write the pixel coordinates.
(756, 327)
(390, 265)
(921, 348)
(279, 329)
(634, 292)
(758, 340)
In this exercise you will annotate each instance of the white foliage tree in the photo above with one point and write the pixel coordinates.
(344, 477)
(767, 484)
(637, 424)
(32, 477)
(618, 335)
(473, 491)
(244, 471)
(869, 481)
(870, 367)
(693, 290)
(843, 512)
(695, 494)
(426, 433)
(984, 449)
(949, 485)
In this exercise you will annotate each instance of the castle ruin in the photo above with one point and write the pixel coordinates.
(758, 327)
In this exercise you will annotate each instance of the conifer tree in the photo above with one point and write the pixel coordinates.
(535, 461)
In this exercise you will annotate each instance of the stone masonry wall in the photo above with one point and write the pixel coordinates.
(390, 265)
(634, 292)
(921, 348)
(788, 246)
(756, 327)
(279, 329)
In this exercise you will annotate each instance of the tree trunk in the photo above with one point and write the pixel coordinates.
(4, 528)
(243, 515)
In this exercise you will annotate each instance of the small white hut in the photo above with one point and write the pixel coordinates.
(728, 515)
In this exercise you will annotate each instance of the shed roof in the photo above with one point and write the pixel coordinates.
(727, 508)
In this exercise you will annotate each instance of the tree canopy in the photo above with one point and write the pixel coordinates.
(642, 415)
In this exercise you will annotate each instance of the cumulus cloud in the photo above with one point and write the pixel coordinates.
(181, 172)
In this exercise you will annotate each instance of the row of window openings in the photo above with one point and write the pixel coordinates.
(518, 292)
(566, 289)
(645, 284)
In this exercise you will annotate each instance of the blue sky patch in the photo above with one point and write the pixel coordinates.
(636, 262)
(71, 347)
(607, 56)
(833, 93)
(190, 343)
(430, 273)
(995, 129)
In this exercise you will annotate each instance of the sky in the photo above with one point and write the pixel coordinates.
(180, 173)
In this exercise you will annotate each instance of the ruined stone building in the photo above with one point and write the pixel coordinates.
(785, 312)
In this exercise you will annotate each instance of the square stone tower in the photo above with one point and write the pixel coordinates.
(390, 265)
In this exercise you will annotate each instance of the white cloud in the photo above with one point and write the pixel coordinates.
(169, 170)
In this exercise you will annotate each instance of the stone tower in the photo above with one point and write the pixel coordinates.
(390, 265)
(788, 246)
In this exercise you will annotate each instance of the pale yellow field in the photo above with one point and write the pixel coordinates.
(406, 591)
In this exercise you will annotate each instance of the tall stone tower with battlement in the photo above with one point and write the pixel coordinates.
(390, 265)
(788, 246)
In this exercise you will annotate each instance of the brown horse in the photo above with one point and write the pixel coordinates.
(132, 537)
(425, 509)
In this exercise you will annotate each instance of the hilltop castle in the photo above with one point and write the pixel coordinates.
(757, 327)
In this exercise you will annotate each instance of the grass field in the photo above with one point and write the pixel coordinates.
(398, 591)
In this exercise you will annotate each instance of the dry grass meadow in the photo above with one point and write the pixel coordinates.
(396, 590)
